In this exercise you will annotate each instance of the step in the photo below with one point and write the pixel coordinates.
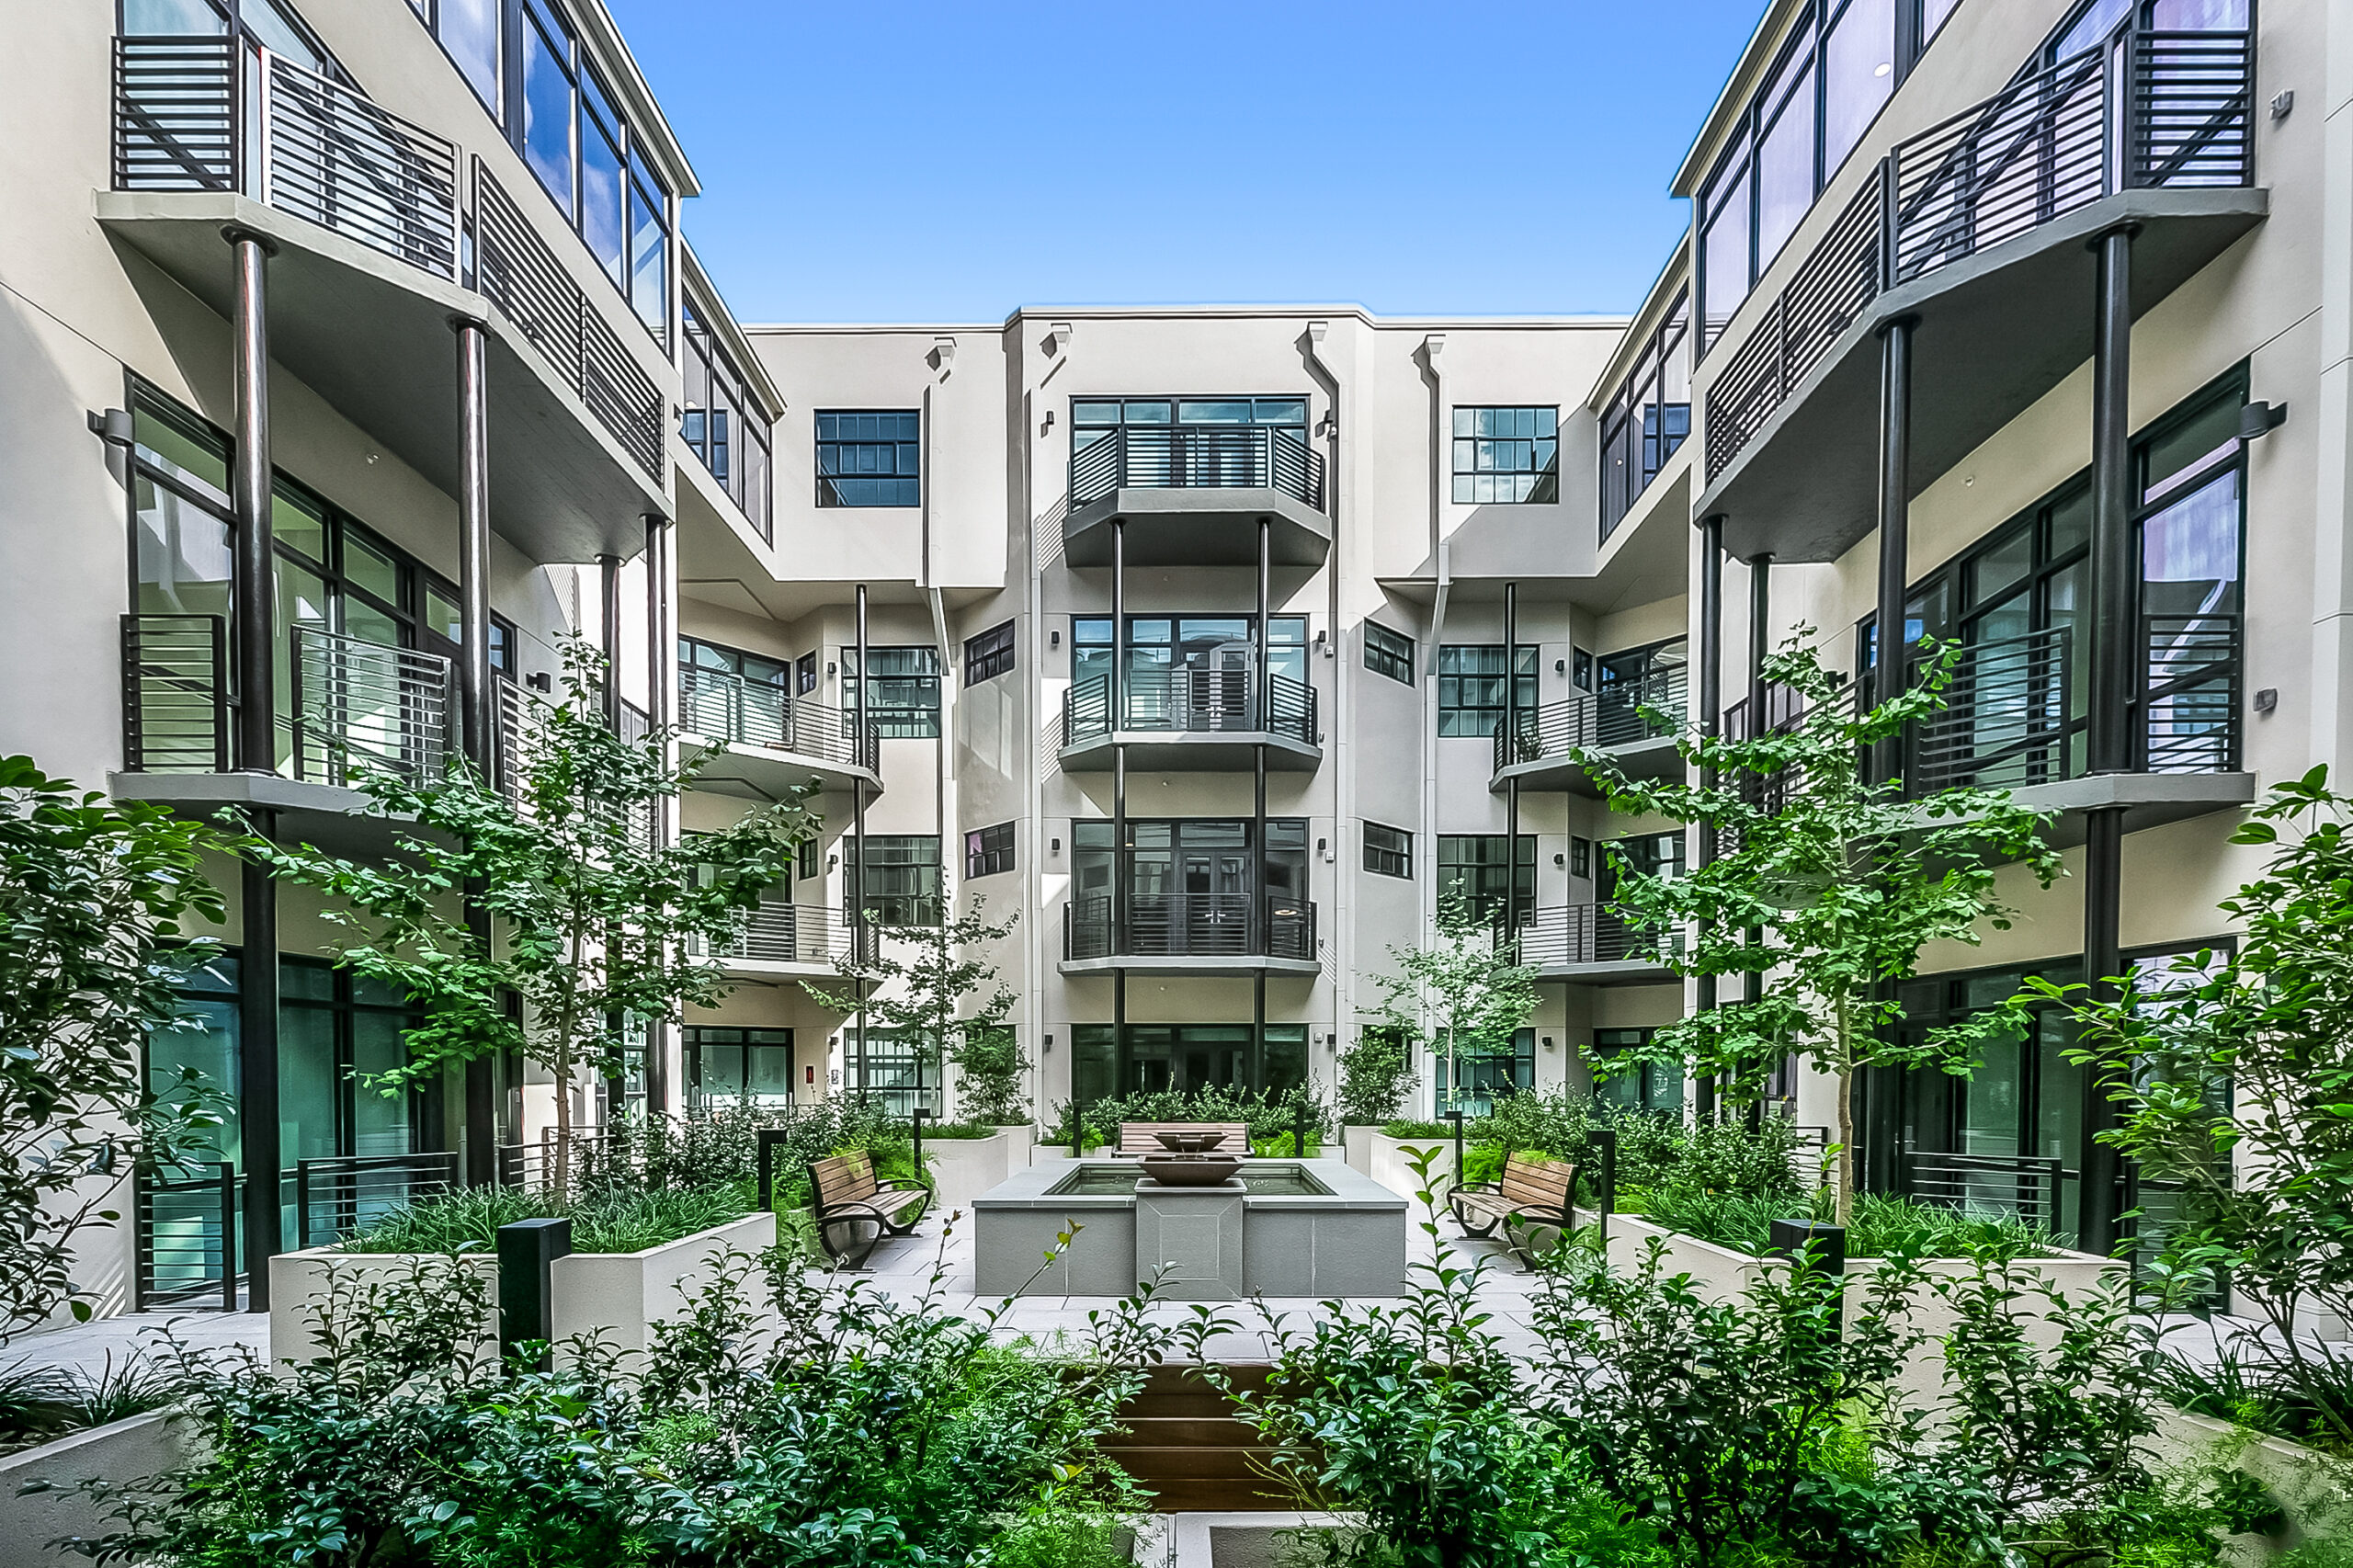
(1180, 1431)
(1216, 1497)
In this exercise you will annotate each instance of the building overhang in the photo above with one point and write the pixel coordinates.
(1198, 527)
(1167, 751)
(1204, 966)
(766, 773)
(1654, 759)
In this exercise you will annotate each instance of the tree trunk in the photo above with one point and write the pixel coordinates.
(1844, 1191)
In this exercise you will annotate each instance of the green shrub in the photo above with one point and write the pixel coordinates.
(603, 1220)
(1418, 1129)
(1884, 1226)
(1266, 1116)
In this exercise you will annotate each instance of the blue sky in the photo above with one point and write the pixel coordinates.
(949, 162)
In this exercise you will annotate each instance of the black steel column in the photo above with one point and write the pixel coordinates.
(1711, 704)
(253, 582)
(861, 932)
(477, 716)
(1893, 668)
(1760, 644)
(1116, 718)
(1261, 897)
(609, 582)
(2109, 746)
(1258, 1036)
(1511, 755)
(661, 647)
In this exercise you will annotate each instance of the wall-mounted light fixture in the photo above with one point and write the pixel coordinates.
(833, 862)
(831, 666)
(1559, 859)
(1560, 666)
(1324, 848)
(1048, 1045)
(114, 427)
(2282, 105)
(2257, 420)
(1054, 637)
(2266, 699)
(540, 680)
(1548, 1042)
(1057, 843)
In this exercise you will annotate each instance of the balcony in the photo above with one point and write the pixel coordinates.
(753, 739)
(1190, 934)
(1591, 944)
(1538, 755)
(384, 232)
(1978, 227)
(1192, 720)
(1194, 495)
(783, 939)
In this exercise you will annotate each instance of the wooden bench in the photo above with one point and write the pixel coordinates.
(1143, 1137)
(854, 1212)
(1532, 1188)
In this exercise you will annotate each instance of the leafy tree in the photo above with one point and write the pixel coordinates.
(2233, 1076)
(91, 891)
(1846, 878)
(1374, 1077)
(913, 982)
(1462, 993)
(590, 924)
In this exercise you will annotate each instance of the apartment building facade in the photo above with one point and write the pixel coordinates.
(356, 359)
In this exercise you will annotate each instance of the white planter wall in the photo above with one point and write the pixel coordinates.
(1388, 1166)
(298, 1284)
(2308, 1486)
(963, 1168)
(120, 1452)
(1356, 1142)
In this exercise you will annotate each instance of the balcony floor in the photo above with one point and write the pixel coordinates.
(371, 335)
(326, 816)
(1617, 971)
(1996, 332)
(1193, 751)
(2150, 800)
(1198, 527)
(1192, 965)
(1653, 758)
(764, 773)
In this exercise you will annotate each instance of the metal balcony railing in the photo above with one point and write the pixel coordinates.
(1584, 933)
(175, 694)
(336, 1195)
(1613, 716)
(2008, 721)
(299, 142)
(519, 740)
(1208, 925)
(1191, 701)
(185, 1217)
(522, 276)
(1198, 457)
(2048, 145)
(359, 705)
(2188, 711)
(2027, 1186)
(722, 707)
(787, 933)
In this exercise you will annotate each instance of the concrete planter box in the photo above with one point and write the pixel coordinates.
(120, 1452)
(1356, 1143)
(963, 1168)
(617, 1295)
(1022, 1139)
(1387, 1164)
(1041, 1153)
(2314, 1490)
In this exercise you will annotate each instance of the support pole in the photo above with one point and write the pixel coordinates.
(477, 714)
(860, 933)
(1711, 705)
(1760, 644)
(254, 584)
(1120, 857)
(2108, 740)
(661, 687)
(609, 616)
(1511, 755)
(1893, 670)
(1261, 898)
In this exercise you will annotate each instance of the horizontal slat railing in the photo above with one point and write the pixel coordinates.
(2006, 721)
(1581, 933)
(2190, 689)
(175, 120)
(176, 694)
(2024, 1185)
(1218, 924)
(337, 1195)
(719, 706)
(1198, 457)
(787, 933)
(1191, 700)
(1610, 717)
(522, 276)
(185, 1221)
(331, 155)
(2048, 145)
(359, 705)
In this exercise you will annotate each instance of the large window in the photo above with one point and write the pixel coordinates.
(901, 881)
(527, 64)
(1474, 1080)
(1507, 455)
(722, 420)
(741, 1066)
(1106, 1060)
(1622, 1079)
(988, 655)
(870, 458)
(988, 851)
(1388, 851)
(1092, 419)
(892, 1071)
(1162, 646)
(1471, 693)
(905, 702)
(1836, 70)
(1648, 416)
(1472, 868)
(1388, 652)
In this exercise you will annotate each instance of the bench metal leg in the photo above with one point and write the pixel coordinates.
(851, 1239)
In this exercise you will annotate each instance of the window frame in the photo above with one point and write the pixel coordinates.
(1465, 440)
(901, 449)
(898, 720)
(1482, 728)
(990, 654)
(1642, 388)
(1450, 871)
(1395, 658)
(738, 453)
(989, 851)
(926, 906)
(1392, 858)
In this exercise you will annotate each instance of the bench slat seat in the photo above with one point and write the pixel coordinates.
(1533, 1189)
(854, 1212)
(1136, 1138)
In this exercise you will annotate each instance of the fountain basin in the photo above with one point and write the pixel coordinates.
(1311, 1228)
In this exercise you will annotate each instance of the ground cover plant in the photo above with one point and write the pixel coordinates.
(1269, 1117)
(603, 1218)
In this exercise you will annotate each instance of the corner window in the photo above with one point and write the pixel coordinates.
(870, 458)
(1388, 851)
(1471, 694)
(1648, 416)
(1388, 652)
(722, 423)
(988, 851)
(1505, 456)
(899, 885)
(904, 703)
(1474, 866)
(988, 655)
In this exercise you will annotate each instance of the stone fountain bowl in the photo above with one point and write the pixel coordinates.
(1190, 1170)
(1189, 1142)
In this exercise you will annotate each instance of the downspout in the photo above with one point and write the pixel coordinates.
(1433, 349)
(1341, 751)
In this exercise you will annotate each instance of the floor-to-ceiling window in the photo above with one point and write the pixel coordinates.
(1194, 886)
(1186, 671)
(1107, 1060)
(738, 1066)
(1471, 1075)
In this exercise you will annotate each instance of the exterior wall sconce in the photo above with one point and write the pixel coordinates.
(1560, 666)
(1057, 843)
(1324, 848)
(1548, 1042)
(1054, 637)
(2266, 699)
(2257, 420)
(1559, 859)
(1048, 1045)
(114, 427)
(540, 680)
(830, 666)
